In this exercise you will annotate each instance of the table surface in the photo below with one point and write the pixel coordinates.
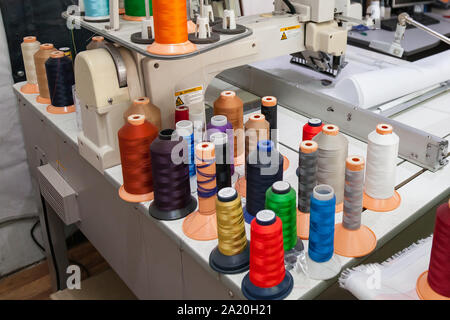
(418, 188)
(415, 39)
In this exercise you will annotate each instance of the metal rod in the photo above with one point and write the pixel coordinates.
(436, 34)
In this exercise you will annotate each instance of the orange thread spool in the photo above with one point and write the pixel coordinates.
(232, 107)
(40, 58)
(135, 138)
(171, 28)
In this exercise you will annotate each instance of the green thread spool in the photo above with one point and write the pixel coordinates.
(136, 9)
(281, 199)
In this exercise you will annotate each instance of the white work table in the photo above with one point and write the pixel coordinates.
(418, 188)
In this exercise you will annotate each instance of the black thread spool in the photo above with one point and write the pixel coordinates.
(264, 167)
(269, 108)
(223, 166)
(171, 183)
(60, 76)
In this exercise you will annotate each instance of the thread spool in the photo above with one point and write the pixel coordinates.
(307, 180)
(202, 224)
(135, 138)
(321, 262)
(61, 80)
(221, 124)
(267, 279)
(231, 106)
(181, 113)
(379, 188)
(172, 190)
(312, 129)
(333, 151)
(40, 58)
(171, 28)
(67, 52)
(135, 10)
(351, 239)
(144, 107)
(232, 255)
(434, 284)
(29, 48)
(96, 10)
(281, 199)
(96, 43)
(223, 169)
(121, 7)
(185, 129)
(264, 168)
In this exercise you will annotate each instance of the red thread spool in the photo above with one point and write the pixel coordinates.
(311, 129)
(266, 254)
(436, 283)
(181, 113)
(135, 138)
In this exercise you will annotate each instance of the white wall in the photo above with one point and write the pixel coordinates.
(16, 194)
(250, 7)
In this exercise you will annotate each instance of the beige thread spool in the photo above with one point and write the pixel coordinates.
(144, 107)
(40, 58)
(256, 129)
(29, 48)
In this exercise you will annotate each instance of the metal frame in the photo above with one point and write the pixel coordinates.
(416, 146)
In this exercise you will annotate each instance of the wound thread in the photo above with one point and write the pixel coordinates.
(307, 174)
(185, 129)
(206, 177)
(269, 108)
(223, 168)
(281, 199)
(321, 228)
(230, 224)
(353, 194)
(312, 129)
(59, 70)
(220, 123)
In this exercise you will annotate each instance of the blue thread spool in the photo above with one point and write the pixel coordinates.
(322, 219)
(96, 10)
(185, 129)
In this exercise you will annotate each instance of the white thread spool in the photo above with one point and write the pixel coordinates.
(382, 152)
(29, 47)
(198, 118)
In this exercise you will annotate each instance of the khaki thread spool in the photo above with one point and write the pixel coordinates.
(40, 58)
(202, 225)
(333, 151)
(29, 48)
(351, 239)
(232, 255)
(144, 107)
(231, 106)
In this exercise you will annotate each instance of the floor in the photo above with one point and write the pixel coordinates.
(33, 283)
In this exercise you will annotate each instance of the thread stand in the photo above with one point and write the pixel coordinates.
(424, 291)
(203, 33)
(228, 25)
(382, 205)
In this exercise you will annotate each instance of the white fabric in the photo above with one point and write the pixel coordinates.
(16, 194)
(395, 279)
(376, 87)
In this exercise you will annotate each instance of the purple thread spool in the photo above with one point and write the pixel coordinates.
(221, 124)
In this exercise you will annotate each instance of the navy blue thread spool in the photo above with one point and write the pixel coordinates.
(60, 76)
(223, 168)
(264, 168)
(322, 219)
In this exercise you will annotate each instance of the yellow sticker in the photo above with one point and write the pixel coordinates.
(189, 96)
(289, 32)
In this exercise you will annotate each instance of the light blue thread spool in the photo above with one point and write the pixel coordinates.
(185, 129)
(96, 10)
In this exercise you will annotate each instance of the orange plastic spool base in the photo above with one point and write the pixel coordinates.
(42, 100)
(382, 205)
(340, 207)
(30, 88)
(121, 11)
(240, 160)
(131, 18)
(135, 197)
(200, 227)
(241, 187)
(425, 292)
(354, 243)
(303, 225)
(61, 110)
(286, 163)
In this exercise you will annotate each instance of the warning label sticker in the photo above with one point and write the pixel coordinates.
(189, 96)
(289, 32)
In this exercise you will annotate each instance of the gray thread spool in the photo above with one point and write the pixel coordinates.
(353, 194)
(307, 171)
(333, 151)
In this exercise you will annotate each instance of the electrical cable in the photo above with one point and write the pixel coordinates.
(290, 6)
